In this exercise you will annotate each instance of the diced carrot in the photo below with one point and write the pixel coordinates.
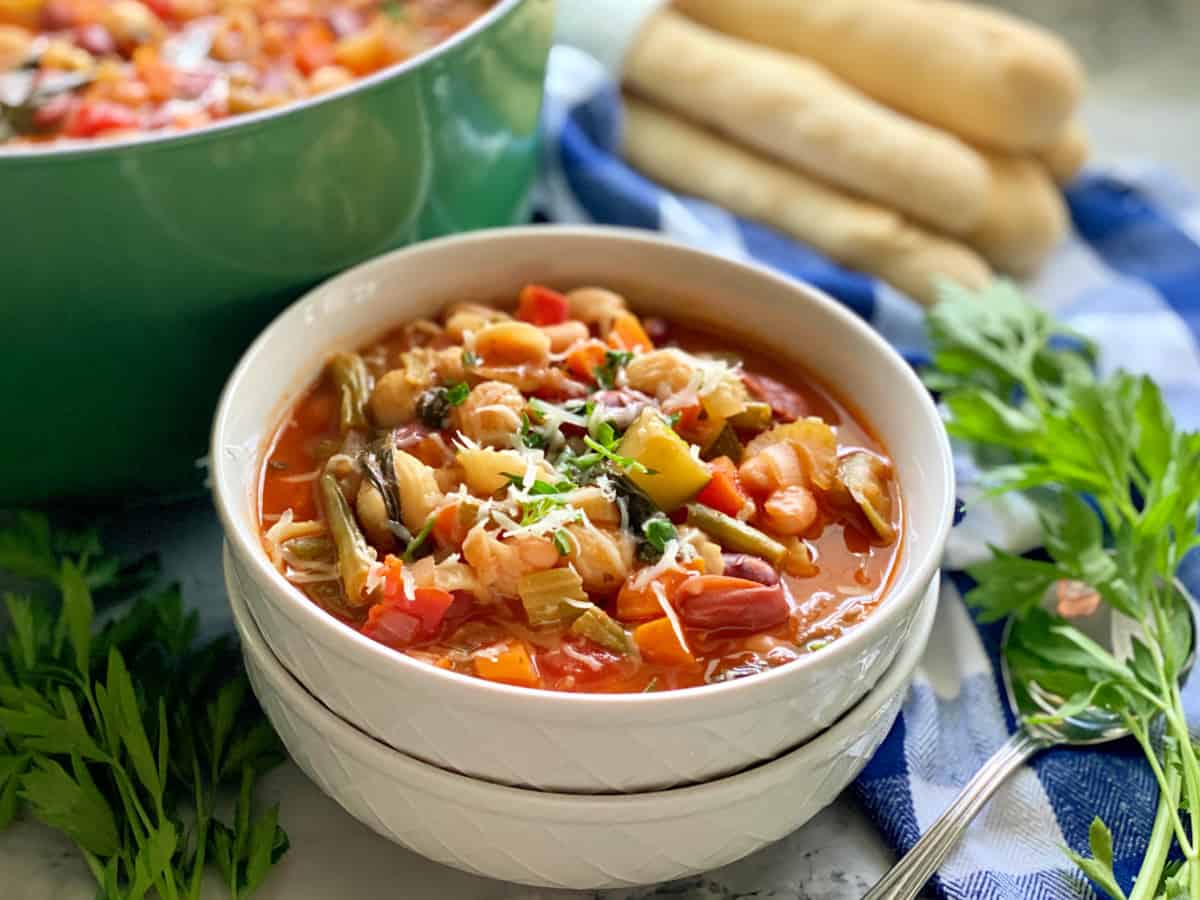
(642, 603)
(542, 306)
(511, 666)
(660, 644)
(445, 525)
(314, 47)
(583, 360)
(393, 583)
(628, 334)
(158, 76)
(723, 492)
(444, 663)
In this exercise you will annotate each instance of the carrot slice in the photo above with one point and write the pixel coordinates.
(583, 360)
(723, 492)
(512, 665)
(660, 644)
(635, 603)
(628, 334)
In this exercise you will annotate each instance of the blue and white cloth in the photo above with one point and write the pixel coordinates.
(1129, 277)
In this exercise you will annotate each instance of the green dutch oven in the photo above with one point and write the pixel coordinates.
(134, 273)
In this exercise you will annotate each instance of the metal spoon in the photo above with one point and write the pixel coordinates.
(1092, 726)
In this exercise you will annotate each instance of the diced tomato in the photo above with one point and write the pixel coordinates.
(718, 602)
(541, 306)
(786, 403)
(93, 117)
(314, 47)
(628, 334)
(392, 626)
(583, 360)
(427, 606)
(723, 492)
(584, 661)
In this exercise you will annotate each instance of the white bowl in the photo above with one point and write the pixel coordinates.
(573, 840)
(559, 741)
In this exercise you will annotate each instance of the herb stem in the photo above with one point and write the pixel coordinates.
(1145, 885)
(1139, 732)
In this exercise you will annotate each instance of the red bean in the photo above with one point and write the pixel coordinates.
(752, 568)
(720, 602)
(57, 15)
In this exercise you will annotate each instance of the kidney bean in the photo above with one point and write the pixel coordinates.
(56, 15)
(751, 568)
(719, 602)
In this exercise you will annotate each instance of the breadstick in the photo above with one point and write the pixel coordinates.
(977, 72)
(1025, 218)
(856, 233)
(798, 113)
(1064, 156)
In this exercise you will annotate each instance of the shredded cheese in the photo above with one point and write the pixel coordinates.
(668, 561)
(660, 595)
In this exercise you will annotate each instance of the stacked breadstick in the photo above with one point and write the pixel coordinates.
(911, 139)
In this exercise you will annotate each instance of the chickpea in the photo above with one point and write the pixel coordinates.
(512, 344)
(132, 23)
(238, 36)
(65, 56)
(790, 511)
(15, 42)
(394, 400)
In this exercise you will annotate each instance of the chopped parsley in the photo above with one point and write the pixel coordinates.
(614, 361)
(625, 462)
(562, 542)
(417, 543)
(530, 436)
(659, 531)
(457, 393)
(469, 359)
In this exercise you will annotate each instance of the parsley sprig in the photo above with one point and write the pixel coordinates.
(126, 737)
(1117, 485)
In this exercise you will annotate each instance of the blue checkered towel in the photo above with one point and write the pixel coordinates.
(1130, 278)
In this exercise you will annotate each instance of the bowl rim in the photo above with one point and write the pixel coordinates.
(85, 147)
(716, 793)
(701, 699)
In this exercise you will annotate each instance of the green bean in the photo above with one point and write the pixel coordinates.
(313, 549)
(349, 373)
(735, 535)
(354, 556)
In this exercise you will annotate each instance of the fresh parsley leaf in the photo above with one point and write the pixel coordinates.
(417, 544)
(469, 359)
(606, 372)
(457, 393)
(562, 541)
(658, 531)
(625, 462)
(531, 437)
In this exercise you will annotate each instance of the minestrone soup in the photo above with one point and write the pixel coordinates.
(572, 498)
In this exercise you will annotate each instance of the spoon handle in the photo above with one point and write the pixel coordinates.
(906, 879)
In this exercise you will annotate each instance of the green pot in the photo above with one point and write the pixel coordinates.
(135, 273)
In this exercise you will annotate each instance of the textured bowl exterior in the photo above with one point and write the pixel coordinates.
(573, 841)
(136, 272)
(573, 742)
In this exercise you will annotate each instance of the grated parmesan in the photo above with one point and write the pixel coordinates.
(661, 596)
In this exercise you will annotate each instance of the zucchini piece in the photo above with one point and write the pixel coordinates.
(726, 443)
(599, 627)
(674, 476)
(735, 535)
(756, 416)
(349, 374)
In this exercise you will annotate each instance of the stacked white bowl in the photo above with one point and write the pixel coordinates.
(578, 790)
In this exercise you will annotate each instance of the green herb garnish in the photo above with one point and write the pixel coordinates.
(658, 531)
(562, 541)
(1118, 486)
(469, 359)
(123, 737)
(626, 463)
(614, 361)
(456, 394)
(530, 436)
